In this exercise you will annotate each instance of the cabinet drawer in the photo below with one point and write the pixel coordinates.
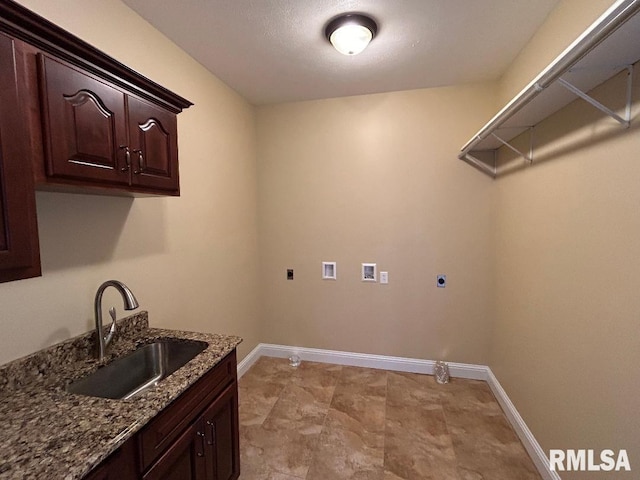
(155, 437)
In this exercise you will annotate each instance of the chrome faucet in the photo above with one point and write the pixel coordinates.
(130, 303)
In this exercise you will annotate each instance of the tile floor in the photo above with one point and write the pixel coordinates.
(325, 422)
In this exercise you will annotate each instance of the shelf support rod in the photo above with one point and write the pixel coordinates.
(627, 111)
(624, 121)
(528, 158)
(615, 16)
(470, 159)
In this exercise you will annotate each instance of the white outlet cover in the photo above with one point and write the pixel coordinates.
(384, 278)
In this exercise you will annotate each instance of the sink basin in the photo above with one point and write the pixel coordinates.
(141, 369)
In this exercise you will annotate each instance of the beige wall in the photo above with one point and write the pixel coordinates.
(375, 179)
(566, 344)
(191, 261)
(542, 264)
(563, 25)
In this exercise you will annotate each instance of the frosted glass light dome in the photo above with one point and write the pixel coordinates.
(351, 39)
(350, 34)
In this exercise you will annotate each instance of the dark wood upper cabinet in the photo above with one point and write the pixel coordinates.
(95, 124)
(153, 134)
(96, 133)
(19, 254)
(84, 125)
(74, 119)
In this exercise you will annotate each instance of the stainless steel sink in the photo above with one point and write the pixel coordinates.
(141, 369)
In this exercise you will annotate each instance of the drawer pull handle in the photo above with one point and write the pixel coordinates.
(212, 440)
(127, 157)
(201, 452)
(140, 160)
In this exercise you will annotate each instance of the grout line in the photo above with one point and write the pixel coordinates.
(324, 421)
(384, 431)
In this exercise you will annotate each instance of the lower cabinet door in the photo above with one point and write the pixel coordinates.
(185, 459)
(221, 433)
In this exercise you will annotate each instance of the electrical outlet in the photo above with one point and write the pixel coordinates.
(289, 273)
(441, 281)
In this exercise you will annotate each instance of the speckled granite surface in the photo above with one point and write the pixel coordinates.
(47, 433)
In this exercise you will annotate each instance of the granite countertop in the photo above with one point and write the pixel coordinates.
(47, 433)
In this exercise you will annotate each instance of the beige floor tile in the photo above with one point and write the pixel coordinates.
(468, 394)
(418, 444)
(412, 389)
(266, 476)
(366, 381)
(347, 450)
(256, 401)
(492, 453)
(260, 388)
(325, 422)
(298, 407)
(282, 451)
(367, 411)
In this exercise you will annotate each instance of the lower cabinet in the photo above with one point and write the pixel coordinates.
(184, 460)
(221, 434)
(208, 449)
(194, 438)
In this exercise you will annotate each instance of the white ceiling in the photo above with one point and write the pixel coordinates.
(273, 51)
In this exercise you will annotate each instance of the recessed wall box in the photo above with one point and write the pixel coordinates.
(329, 271)
(369, 272)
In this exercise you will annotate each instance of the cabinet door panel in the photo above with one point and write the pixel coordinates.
(221, 429)
(85, 125)
(184, 460)
(153, 134)
(19, 257)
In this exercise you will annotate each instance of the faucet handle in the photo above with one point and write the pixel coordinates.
(112, 329)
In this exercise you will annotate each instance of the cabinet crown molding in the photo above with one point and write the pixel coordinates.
(21, 23)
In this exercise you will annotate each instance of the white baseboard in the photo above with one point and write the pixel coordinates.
(250, 359)
(537, 454)
(413, 365)
(383, 362)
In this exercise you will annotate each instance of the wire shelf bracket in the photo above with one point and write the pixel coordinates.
(609, 46)
(528, 157)
(626, 121)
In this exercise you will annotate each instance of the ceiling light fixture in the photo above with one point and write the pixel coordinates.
(351, 33)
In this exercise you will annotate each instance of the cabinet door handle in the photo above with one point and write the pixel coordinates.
(140, 160)
(127, 157)
(212, 426)
(201, 452)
